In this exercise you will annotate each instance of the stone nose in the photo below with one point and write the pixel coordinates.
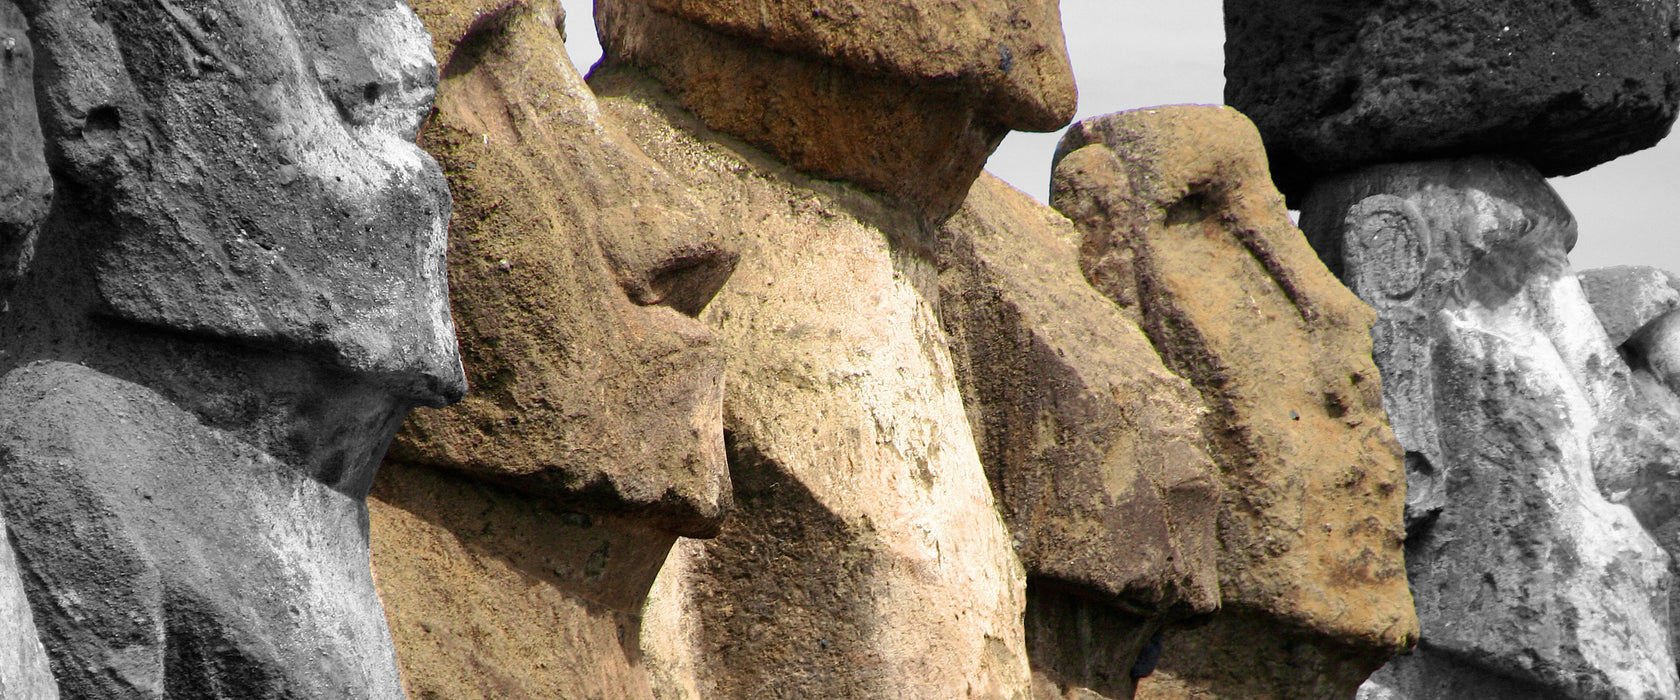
(666, 254)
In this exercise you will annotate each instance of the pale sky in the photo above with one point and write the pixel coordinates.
(1129, 54)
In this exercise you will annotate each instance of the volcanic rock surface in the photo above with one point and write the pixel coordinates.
(1563, 84)
(1626, 298)
(864, 557)
(208, 338)
(1094, 450)
(1181, 226)
(517, 533)
(1521, 422)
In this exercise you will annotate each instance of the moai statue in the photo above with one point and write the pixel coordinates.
(864, 555)
(209, 336)
(516, 534)
(1094, 449)
(1180, 227)
(1416, 139)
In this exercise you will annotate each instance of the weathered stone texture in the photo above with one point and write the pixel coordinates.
(209, 338)
(1658, 344)
(516, 535)
(264, 181)
(24, 669)
(1093, 449)
(1008, 53)
(1627, 297)
(1521, 421)
(865, 557)
(914, 133)
(492, 593)
(169, 559)
(1564, 84)
(1181, 224)
(25, 186)
(573, 260)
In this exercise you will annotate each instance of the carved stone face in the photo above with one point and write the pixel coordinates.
(250, 174)
(576, 264)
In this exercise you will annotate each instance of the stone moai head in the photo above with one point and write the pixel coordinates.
(1182, 227)
(901, 97)
(245, 170)
(577, 266)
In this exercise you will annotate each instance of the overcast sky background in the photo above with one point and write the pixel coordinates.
(1129, 54)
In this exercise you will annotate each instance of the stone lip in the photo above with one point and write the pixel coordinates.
(1565, 85)
(1008, 53)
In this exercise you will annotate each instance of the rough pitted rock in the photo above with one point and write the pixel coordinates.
(1627, 297)
(1564, 84)
(211, 335)
(491, 593)
(169, 559)
(24, 670)
(1010, 53)
(914, 132)
(264, 200)
(516, 534)
(864, 557)
(1520, 422)
(25, 186)
(575, 263)
(1658, 343)
(1181, 224)
(1093, 449)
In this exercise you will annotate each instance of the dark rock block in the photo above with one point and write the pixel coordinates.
(1564, 84)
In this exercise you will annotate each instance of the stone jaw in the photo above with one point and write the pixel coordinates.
(1093, 449)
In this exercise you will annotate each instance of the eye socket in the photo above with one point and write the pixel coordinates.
(102, 118)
